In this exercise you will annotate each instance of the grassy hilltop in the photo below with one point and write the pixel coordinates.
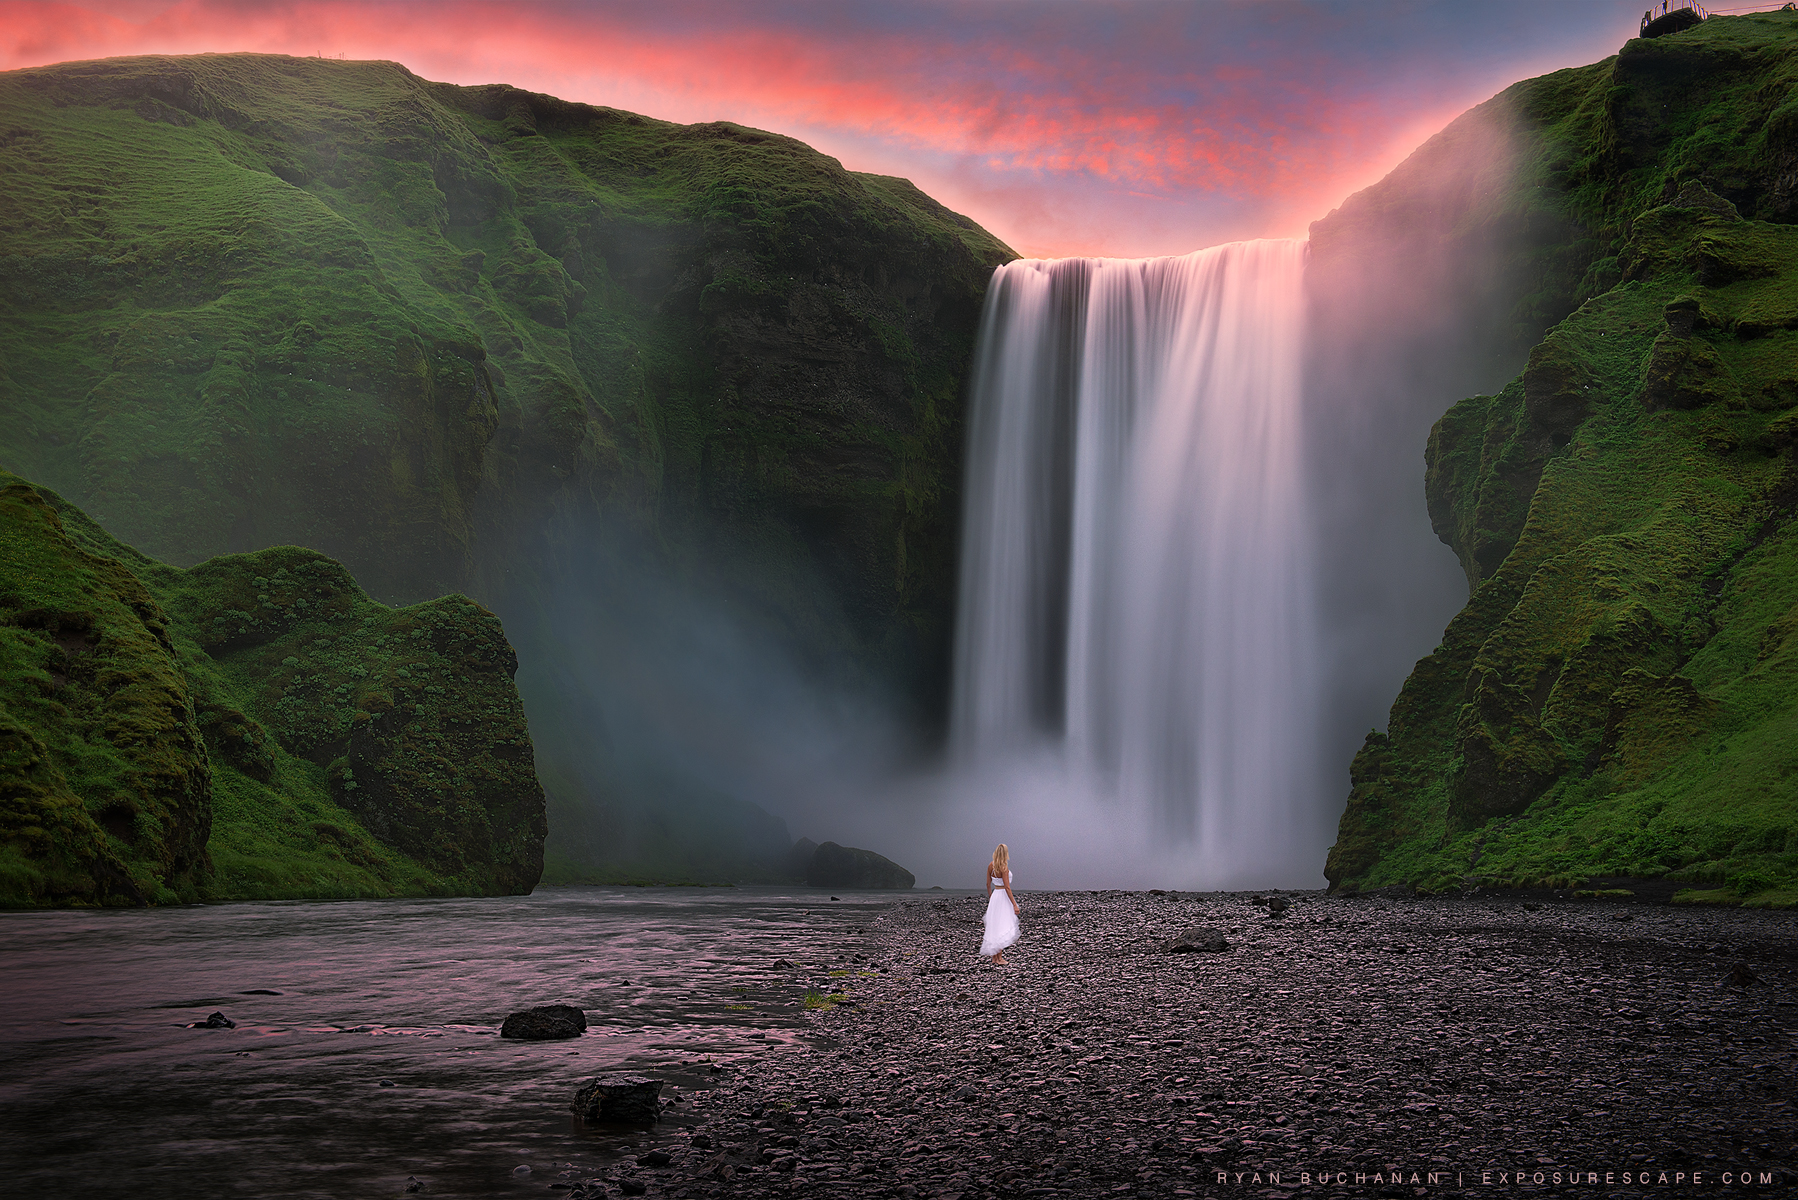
(441, 334)
(253, 727)
(1620, 695)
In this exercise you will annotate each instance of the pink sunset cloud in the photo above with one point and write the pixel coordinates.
(1095, 128)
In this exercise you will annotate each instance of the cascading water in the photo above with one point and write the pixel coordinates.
(1136, 597)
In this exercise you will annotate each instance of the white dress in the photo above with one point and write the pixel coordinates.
(1001, 921)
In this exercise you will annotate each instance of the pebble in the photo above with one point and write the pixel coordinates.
(1390, 1037)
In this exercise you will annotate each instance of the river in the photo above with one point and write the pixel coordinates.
(366, 1049)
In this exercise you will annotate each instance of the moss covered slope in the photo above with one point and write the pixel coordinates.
(450, 335)
(254, 727)
(1620, 695)
(252, 300)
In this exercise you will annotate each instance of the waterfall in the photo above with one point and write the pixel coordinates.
(1135, 597)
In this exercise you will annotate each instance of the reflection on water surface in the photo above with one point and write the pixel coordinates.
(366, 1048)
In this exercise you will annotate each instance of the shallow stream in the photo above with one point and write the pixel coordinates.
(366, 1050)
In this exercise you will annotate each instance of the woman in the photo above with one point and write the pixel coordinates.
(1001, 907)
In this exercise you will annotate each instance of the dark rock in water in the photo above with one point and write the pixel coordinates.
(632, 1187)
(544, 1023)
(799, 859)
(1195, 939)
(1740, 976)
(846, 867)
(654, 1158)
(618, 1098)
(219, 1020)
(781, 964)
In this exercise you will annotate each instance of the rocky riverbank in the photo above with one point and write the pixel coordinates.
(1395, 1046)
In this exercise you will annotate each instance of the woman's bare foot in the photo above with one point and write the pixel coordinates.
(999, 961)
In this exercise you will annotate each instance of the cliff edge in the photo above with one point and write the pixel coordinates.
(1619, 697)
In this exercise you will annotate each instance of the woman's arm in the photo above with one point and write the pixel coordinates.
(1008, 891)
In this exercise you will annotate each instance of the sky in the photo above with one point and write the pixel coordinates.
(1063, 126)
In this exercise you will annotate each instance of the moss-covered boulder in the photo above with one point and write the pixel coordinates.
(253, 727)
(1618, 697)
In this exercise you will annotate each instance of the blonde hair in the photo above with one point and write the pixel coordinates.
(1002, 858)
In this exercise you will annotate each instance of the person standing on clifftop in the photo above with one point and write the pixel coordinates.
(1001, 918)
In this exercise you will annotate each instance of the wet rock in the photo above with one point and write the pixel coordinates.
(632, 1187)
(618, 1097)
(1194, 940)
(546, 1022)
(837, 866)
(521, 1170)
(1276, 905)
(654, 1158)
(1740, 976)
(217, 1020)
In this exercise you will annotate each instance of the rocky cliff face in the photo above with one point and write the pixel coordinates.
(445, 334)
(252, 727)
(1617, 697)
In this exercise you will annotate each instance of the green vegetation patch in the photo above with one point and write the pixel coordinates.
(1620, 695)
(252, 728)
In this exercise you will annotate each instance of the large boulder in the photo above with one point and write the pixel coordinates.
(837, 866)
(545, 1022)
(617, 1097)
(1195, 940)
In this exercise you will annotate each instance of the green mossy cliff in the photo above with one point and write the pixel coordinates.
(254, 300)
(447, 335)
(1620, 695)
(253, 727)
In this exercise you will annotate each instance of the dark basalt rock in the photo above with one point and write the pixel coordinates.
(1195, 939)
(846, 867)
(618, 1097)
(1740, 976)
(219, 1020)
(546, 1022)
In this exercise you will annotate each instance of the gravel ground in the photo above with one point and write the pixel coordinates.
(1352, 1047)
